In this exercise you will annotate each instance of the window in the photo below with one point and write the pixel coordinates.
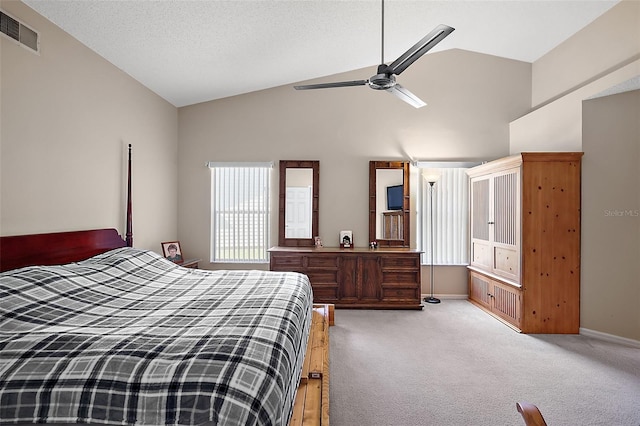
(240, 214)
(450, 214)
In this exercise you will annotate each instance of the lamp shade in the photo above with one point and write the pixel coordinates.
(430, 175)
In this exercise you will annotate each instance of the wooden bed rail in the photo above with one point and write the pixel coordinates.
(311, 407)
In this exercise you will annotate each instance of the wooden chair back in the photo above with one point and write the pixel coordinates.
(531, 414)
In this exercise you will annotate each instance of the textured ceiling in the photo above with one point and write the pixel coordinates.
(195, 51)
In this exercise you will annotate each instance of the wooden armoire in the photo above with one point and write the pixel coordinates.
(525, 240)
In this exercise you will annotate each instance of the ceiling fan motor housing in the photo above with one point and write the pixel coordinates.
(382, 81)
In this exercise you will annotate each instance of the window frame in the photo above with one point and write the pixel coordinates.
(256, 195)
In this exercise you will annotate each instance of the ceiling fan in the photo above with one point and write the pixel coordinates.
(385, 78)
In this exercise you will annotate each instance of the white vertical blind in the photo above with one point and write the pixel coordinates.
(451, 218)
(240, 212)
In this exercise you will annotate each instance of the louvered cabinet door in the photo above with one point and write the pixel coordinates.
(503, 301)
(507, 303)
(481, 237)
(480, 289)
(495, 223)
(505, 224)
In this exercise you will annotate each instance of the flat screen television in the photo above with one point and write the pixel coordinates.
(395, 197)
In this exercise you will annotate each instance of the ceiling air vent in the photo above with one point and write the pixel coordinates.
(19, 32)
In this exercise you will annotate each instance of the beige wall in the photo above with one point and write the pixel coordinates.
(604, 55)
(558, 125)
(611, 215)
(607, 44)
(67, 116)
(345, 129)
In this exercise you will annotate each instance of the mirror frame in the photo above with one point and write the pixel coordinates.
(302, 164)
(406, 231)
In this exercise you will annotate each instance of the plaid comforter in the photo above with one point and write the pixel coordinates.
(128, 337)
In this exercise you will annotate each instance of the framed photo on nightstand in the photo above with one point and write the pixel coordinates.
(172, 251)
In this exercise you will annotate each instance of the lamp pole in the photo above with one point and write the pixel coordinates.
(431, 299)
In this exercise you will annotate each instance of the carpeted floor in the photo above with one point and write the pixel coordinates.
(452, 364)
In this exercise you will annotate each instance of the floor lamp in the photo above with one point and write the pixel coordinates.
(431, 179)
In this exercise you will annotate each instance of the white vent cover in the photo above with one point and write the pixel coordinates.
(19, 32)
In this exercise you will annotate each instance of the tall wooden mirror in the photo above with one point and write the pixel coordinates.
(298, 203)
(389, 201)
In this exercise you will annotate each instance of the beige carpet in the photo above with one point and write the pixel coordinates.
(452, 364)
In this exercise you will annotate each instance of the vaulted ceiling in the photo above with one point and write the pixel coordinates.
(195, 51)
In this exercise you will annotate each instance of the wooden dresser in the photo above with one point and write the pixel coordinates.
(385, 278)
(525, 240)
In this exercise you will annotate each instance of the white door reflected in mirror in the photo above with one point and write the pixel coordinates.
(298, 203)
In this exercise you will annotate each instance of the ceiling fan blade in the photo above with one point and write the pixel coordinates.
(419, 49)
(406, 96)
(330, 85)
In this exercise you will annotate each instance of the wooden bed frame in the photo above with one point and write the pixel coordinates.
(311, 406)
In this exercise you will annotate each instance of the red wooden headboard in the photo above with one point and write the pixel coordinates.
(56, 248)
(64, 247)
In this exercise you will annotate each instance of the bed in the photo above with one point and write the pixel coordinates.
(94, 331)
(128, 337)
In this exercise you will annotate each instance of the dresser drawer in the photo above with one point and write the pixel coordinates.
(400, 277)
(400, 293)
(286, 262)
(324, 294)
(323, 262)
(391, 262)
(323, 277)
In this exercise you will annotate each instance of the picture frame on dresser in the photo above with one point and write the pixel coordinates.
(172, 251)
(346, 239)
